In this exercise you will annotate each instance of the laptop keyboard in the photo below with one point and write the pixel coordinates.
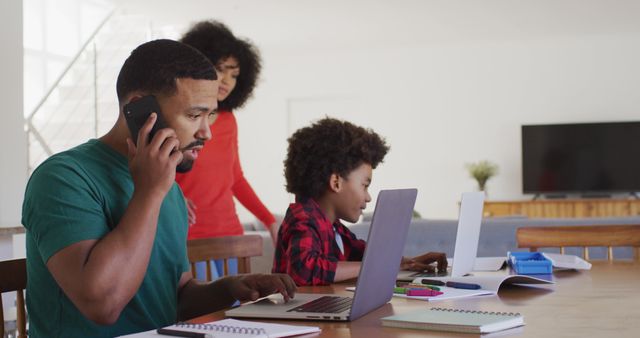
(325, 304)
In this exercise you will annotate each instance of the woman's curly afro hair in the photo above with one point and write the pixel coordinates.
(328, 147)
(218, 43)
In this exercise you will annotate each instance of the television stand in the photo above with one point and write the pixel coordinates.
(555, 196)
(538, 197)
(595, 195)
(587, 195)
(565, 208)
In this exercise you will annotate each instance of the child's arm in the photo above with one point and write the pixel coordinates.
(347, 270)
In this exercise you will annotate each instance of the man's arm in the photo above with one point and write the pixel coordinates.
(196, 298)
(101, 276)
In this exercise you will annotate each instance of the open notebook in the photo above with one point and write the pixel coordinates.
(455, 320)
(232, 328)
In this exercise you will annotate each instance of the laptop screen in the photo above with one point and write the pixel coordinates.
(468, 233)
(385, 244)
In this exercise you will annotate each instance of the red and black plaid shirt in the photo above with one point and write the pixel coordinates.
(306, 248)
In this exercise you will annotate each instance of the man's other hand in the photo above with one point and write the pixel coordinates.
(254, 286)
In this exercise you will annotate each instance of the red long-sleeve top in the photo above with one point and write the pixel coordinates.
(216, 177)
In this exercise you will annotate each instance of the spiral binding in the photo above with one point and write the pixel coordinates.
(476, 312)
(223, 328)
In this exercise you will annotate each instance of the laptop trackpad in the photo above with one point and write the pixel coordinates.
(278, 300)
(271, 300)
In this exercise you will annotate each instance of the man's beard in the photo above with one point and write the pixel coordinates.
(184, 166)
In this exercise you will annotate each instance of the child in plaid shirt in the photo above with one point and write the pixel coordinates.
(329, 168)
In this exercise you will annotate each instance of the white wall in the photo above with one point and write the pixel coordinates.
(13, 169)
(13, 166)
(443, 105)
(446, 82)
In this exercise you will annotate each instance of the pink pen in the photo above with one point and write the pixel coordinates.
(422, 292)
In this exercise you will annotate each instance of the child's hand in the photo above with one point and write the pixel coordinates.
(424, 262)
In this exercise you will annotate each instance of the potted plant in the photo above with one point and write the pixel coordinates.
(482, 171)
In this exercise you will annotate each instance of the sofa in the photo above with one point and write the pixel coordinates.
(497, 236)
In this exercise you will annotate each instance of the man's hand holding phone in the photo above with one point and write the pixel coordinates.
(152, 162)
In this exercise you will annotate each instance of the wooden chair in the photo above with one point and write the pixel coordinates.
(580, 236)
(13, 277)
(242, 247)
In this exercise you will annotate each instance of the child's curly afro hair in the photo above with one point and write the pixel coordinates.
(329, 146)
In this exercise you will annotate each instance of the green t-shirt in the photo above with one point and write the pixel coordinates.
(81, 194)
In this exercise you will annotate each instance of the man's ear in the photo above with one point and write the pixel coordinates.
(130, 98)
(335, 182)
(135, 97)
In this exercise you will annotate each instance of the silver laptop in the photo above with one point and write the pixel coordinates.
(374, 288)
(467, 237)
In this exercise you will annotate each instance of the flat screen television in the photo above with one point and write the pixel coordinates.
(585, 158)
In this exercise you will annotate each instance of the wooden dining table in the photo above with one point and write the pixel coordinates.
(601, 302)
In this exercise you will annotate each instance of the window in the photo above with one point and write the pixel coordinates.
(54, 32)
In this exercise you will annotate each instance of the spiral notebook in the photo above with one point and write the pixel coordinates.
(455, 320)
(232, 328)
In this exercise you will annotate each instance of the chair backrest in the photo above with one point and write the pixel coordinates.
(13, 277)
(241, 247)
(580, 236)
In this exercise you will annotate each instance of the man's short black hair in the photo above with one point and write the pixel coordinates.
(217, 42)
(153, 67)
(326, 147)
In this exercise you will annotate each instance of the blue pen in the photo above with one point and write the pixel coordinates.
(432, 282)
(459, 285)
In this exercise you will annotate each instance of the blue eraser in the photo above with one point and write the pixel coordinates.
(530, 263)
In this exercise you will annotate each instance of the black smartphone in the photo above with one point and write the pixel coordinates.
(137, 113)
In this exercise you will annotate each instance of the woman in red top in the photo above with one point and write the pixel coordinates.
(217, 176)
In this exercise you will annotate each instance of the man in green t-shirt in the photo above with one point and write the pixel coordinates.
(107, 225)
